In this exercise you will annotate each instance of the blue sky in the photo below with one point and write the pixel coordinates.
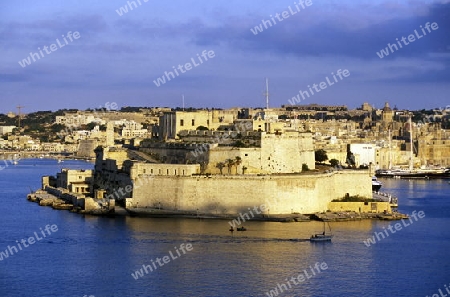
(117, 58)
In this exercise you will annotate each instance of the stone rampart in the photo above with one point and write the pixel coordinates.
(233, 194)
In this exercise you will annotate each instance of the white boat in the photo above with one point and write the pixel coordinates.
(376, 184)
(15, 159)
(322, 236)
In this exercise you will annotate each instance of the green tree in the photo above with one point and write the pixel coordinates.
(239, 143)
(237, 162)
(320, 155)
(55, 128)
(220, 165)
(305, 167)
(243, 169)
(334, 162)
(91, 126)
(230, 164)
(351, 159)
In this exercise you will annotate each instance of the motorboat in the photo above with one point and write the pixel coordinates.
(376, 184)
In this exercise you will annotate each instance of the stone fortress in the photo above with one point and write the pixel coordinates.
(216, 163)
(183, 176)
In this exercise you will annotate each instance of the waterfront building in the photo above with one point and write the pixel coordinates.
(6, 129)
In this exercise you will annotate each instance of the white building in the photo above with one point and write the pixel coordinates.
(77, 119)
(6, 129)
(364, 153)
(141, 133)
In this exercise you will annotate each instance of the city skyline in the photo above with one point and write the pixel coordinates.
(84, 55)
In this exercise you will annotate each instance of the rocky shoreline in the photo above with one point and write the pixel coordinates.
(43, 198)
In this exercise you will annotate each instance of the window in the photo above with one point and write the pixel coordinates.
(181, 122)
(193, 122)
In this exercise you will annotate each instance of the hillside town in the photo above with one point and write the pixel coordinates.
(296, 159)
(374, 136)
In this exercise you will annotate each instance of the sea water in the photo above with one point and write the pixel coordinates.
(129, 256)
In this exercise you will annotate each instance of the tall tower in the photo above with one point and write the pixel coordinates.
(19, 115)
(388, 114)
(110, 134)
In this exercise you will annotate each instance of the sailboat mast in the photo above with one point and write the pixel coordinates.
(411, 153)
(390, 151)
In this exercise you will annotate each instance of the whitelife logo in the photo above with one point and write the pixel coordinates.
(161, 261)
(124, 9)
(411, 38)
(322, 85)
(35, 56)
(187, 66)
(266, 24)
(245, 216)
(11, 250)
(441, 294)
(298, 279)
(382, 235)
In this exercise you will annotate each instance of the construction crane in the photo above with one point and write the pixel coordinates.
(19, 115)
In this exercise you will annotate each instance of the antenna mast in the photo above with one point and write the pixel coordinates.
(411, 161)
(267, 93)
(183, 101)
(19, 115)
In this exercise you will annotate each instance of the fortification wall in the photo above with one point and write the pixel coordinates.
(376, 207)
(287, 152)
(86, 148)
(232, 194)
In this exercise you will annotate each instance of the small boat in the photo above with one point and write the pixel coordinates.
(322, 236)
(16, 159)
(376, 185)
(241, 228)
(415, 173)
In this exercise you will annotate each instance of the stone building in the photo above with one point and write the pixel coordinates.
(76, 181)
(171, 123)
(257, 152)
(387, 115)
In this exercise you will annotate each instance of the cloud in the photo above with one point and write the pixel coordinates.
(346, 33)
